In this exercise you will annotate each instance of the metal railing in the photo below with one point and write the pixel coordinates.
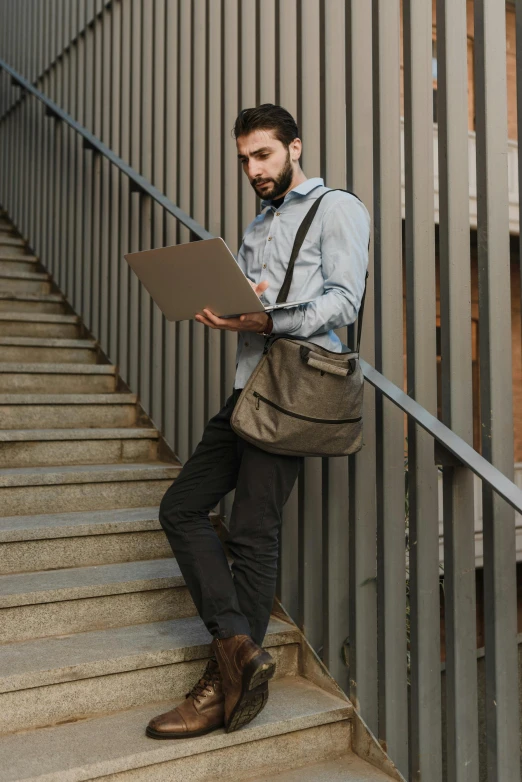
(65, 179)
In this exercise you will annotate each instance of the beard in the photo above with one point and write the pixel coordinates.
(280, 184)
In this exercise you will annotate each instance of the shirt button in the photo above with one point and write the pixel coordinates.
(278, 214)
(264, 266)
(246, 344)
(269, 238)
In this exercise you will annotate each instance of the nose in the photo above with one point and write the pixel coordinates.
(254, 170)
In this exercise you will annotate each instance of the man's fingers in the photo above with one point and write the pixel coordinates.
(226, 323)
(262, 286)
(209, 319)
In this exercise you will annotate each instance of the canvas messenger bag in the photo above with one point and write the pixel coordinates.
(303, 400)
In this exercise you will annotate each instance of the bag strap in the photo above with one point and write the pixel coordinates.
(299, 239)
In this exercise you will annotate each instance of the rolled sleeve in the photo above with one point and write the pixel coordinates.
(345, 234)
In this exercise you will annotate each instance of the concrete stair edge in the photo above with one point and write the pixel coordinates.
(80, 523)
(56, 368)
(50, 586)
(38, 317)
(86, 473)
(85, 433)
(55, 298)
(20, 275)
(68, 399)
(48, 342)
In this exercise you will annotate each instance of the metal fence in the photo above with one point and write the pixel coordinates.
(146, 91)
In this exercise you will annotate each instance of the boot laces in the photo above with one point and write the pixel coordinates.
(210, 677)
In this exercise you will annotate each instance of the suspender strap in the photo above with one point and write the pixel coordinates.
(299, 239)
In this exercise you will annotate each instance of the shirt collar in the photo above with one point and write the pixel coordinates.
(303, 189)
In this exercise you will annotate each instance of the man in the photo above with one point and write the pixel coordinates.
(330, 274)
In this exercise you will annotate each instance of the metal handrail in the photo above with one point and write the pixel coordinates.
(139, 183)
(48, 68)
(464, 453)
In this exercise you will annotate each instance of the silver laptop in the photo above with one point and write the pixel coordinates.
(187, 278)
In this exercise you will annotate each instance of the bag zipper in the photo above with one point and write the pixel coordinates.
(260, 398)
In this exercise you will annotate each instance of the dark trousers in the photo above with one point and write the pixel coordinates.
(237, 602)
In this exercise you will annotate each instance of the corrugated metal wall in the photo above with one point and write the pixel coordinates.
(161, 82)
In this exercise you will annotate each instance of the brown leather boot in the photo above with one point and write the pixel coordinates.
(245, 670)
(202, 711)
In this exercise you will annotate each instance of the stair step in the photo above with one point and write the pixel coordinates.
(69, 540)
(44, 350)
(347, 768)
(68, 658)
(71, 677)
(299, 723)
(13, 252)
(39, 317)
(83, 487)
(32, 302)
(48, 526)
(61, 411)
(25, 282)
(50, 586)
(23, 377)
(15, 275)
(28, 324)
(10, 240)
(11, 260)
(41, 447)
(80, 544)
(72, 524)
(73, 600)
(86, 474)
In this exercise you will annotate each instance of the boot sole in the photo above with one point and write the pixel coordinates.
(254, 692)
(155, 734)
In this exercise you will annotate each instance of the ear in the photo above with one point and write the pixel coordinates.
(296, 148)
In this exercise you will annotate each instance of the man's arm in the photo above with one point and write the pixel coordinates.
(344, 249)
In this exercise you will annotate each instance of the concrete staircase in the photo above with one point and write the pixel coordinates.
(98, 631)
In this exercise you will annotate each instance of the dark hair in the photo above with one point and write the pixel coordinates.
(268, 116)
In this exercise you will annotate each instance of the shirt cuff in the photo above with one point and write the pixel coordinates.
(283, 320)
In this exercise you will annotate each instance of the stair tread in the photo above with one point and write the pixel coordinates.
(83, 655)
(85, 433)
(38, 317)
(68, 399)
(58, 525)
(17, 367)
(86, 473)
(48, 342)
(48, 526)
(22, 257)
(346, 768)
(45, 297)
(49, 586)
(10, 241)
(19, 275)
(115, 743)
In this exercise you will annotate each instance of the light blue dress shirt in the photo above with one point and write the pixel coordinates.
(330, 270)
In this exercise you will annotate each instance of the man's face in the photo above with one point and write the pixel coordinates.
(266, 162)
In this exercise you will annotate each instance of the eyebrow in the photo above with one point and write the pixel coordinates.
(256, 152)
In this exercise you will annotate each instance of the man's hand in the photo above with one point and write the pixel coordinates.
(252, 321)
